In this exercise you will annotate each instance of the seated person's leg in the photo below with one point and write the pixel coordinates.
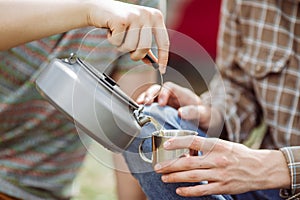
(272, 194)
(148, 179)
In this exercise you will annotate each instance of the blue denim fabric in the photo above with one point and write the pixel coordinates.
(151, 182)
(143, 171)
(259, 195)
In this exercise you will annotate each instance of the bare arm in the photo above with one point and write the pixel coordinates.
(27, 20)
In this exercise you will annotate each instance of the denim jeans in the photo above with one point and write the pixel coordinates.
(150, 181)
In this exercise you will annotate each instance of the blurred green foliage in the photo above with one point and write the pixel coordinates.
(95, 181)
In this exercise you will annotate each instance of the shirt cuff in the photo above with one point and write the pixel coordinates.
(292, 156)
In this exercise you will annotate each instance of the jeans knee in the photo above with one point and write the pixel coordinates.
(166, 116)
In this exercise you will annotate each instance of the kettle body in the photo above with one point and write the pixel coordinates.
(93, 101)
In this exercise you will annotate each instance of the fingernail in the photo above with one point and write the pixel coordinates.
(166, 144)
(179, 191)
(157, 167)
(183, 112)
(160, 101)
(139, 99)
(164, 178)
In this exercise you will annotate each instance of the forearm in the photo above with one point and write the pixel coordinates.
(26, 20)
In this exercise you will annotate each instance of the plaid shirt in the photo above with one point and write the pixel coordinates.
(259, 60)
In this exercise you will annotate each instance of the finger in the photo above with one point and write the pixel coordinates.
(149, 95)
(212, 188)
(140, 98)
(190, 176)
(144, 44)
(163, 43)
(131, 39)
(117, 34)
(189, 112)
(193, 112)
(184, 164)
(164, 95)
(174, 95)
(169, 95)
(151, 60)
(191, 142)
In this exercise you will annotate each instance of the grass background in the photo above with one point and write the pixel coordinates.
(96, 180)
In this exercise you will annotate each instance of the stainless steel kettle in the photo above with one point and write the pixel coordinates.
(93, 100)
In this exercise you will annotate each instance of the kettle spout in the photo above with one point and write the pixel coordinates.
(140, 118)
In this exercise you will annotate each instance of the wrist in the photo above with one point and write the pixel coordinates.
(273, 168)
(98, 12)
(88, 8)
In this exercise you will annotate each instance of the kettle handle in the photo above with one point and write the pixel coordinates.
(142, 155)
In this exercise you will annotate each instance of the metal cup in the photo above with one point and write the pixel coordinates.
(159, 154)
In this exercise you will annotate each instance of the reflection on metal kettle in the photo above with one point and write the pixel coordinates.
(93, 101)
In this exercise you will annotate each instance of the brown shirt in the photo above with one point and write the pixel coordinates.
(259, 60)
